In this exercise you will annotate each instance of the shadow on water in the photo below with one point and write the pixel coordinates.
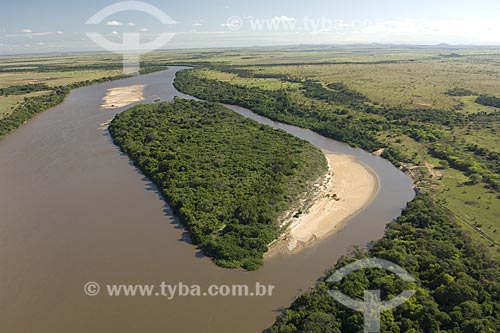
(152, 187)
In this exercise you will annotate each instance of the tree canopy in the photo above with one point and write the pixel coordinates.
(228, 178)
(458, 287)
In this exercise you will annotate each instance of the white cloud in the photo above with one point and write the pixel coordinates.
(197, 24)
(40, 43)
(284, 19)
(114, 23)
(60, 32)
(26, 31)
(469, 30)
(114, 33)
(143, 30)
(131, 24)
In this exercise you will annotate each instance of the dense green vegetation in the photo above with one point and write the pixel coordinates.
(109, 64)
(277, 105)
(23, 89)
(352, 118)
(228, 178)
(333, 93)
(460, 92)
(477, 162)
(29, 108)
(340, 121)
(458, 287)
(488, 100)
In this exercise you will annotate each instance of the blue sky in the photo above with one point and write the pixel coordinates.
(57, 26)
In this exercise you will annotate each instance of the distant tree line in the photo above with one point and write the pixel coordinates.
(24, 89)
(146, 67)
(460, 92)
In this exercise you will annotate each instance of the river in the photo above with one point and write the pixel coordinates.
(74, 209)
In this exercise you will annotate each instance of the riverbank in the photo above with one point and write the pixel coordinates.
(346, 190)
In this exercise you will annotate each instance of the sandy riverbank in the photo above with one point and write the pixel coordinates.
(348, 188)
(123, 96)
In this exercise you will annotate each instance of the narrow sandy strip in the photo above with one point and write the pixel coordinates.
(348, 188)
(105, 126)
(123, 96)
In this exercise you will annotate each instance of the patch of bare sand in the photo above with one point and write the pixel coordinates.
(341, 196)
(123, 96)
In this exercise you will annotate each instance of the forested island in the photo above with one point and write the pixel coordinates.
(228, 178)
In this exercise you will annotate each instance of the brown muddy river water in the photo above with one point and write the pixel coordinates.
(73, 209)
